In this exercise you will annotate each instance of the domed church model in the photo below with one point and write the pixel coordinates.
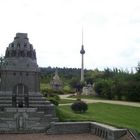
(22, 107)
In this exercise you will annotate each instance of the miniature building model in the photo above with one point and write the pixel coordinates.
(56, 82)
(88, 90)
(22, 107)
(82, 52)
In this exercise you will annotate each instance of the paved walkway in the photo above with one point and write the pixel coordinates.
(135, 104)
(42, 136)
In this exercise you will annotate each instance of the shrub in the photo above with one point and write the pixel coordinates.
(44, 92)
(54, 101)
(54, 98)
(79, 106)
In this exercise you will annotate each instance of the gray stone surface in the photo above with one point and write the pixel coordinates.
(22, 107)
(101, 130)
(106, 131)
(69, 128)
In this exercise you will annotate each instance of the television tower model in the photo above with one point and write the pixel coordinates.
(82, 52)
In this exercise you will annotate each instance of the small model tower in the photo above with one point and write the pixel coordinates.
(82, 52)
(56, 82)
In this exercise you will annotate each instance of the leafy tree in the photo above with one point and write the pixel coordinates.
(108, 73)
(132, 91)
(138, 68)
(73, 82)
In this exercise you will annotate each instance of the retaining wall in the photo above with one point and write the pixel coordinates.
(104, 131)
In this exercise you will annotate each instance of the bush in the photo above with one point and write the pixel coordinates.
(54, 101)
(132, 91)
(54, 98)
(79, 106)
(103, 89)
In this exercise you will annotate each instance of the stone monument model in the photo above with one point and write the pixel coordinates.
(82, 52)
(56, 82)
(88, 90)
(22, 107)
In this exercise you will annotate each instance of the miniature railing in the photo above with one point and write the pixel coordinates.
(131, 134)
(107, 132)
(101, 130)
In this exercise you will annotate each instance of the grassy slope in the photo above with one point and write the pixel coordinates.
(65, 101)
(117, 115)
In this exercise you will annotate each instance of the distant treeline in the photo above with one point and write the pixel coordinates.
(66, 74)
(108, 83)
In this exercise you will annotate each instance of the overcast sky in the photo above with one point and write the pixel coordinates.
(111, 31)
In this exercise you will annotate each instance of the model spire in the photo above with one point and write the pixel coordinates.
(82, 64)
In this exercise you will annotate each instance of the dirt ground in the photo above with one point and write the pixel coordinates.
(43, 136)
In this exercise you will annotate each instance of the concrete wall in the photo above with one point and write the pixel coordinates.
(104, 131)
(69, 128)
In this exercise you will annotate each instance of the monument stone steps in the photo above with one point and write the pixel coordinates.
(7, 119)
(31, 95)
(35, 120)
(46, 117)
(41, 115)
(36, 98)
(5, 93)
(5, 98)
(6, 115)
(5, 102)
(38, 102)
(38, 114)
(4, 105)
(35, 105)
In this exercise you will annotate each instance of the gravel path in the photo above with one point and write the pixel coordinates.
(48, 137)
(135, 104)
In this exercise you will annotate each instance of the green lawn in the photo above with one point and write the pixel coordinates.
(44, 86)
(65, 101)
(116, 115)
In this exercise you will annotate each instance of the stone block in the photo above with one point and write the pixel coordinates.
(69, 128)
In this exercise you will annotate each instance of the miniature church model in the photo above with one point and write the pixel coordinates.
(22, 107)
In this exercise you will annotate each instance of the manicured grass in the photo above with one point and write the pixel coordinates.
(117, 115)
(65, 101)
(44, 86)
